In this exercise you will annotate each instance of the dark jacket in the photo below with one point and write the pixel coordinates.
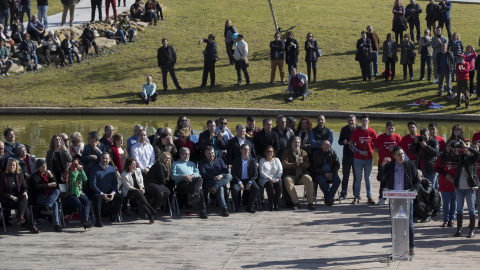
(88, 35)
(65, 44)
(156, 175)
(407, 49)
(210, 171)
(467, 162)
(283, 140)
(363, 49)
(167, 57)
(65, 157)
(237, 169)
(291, 53)
(277, 48)
(385, 51)
(6, 188)
(311, 52)
(430, 154)
(210, 52)
(387, 174)
(413, 15)
(233, 149)
(204, 141)
(289, 162)
(346, 134)
(262, 140)
(28, 47)
(37, 187)
(375, 41)
(427, 200)
(450, 61)
(318, 160)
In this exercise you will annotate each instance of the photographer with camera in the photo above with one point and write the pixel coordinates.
(427, 150)
(211, 137)
(466, 184)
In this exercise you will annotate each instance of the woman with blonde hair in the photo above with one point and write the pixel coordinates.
(77, 145)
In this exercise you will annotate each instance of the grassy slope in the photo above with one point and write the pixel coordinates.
(114, 79)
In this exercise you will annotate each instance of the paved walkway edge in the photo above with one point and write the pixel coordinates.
(234, 112)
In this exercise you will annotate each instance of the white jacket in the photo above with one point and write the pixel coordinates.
(241, 51)
(127, 181)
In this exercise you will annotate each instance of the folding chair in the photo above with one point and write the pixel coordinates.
(4, 217)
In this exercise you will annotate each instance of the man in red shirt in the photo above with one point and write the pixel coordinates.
(462, 69)
(383, 146)
(407, 140)
(361, 143)
(432, 128)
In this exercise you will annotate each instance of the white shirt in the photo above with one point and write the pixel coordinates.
(271, 169)
(241, 51)
(143, 155)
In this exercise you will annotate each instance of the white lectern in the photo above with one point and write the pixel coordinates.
(400, 202)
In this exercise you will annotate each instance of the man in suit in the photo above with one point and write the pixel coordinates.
(266, 137)
(233, 149)
(103, 184)
(400, 175)
(284, 133)
(245, 174)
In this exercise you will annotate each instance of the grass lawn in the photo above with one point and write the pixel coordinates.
(115, 79)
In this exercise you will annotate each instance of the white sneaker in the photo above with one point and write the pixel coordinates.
(382, 201)
(434, 81)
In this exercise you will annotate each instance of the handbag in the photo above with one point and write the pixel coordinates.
(371, 56)
(412, 55)
(247, 63)
(319, 52)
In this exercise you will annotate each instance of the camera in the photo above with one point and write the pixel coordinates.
(457, 144)
(421, 138)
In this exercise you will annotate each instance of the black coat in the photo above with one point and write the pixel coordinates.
(277, 47)
(88, 35)
(167, 57)
(292, 53)
(283, 140)
(318, 161)
(6, 187)
(37, 187)
(363, 49)
(387, 173)
(237, 169)
(204, 141)
(430, 154)
(467, 162)
(156, 175)
(233, 149)
(262, 140)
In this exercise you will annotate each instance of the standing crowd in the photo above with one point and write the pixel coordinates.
(448, 55)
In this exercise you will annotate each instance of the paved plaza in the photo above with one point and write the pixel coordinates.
(344, 236)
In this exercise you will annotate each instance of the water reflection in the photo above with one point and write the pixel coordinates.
(37, 130)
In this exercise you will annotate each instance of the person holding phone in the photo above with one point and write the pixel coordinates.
(211, 137)
(58, 157)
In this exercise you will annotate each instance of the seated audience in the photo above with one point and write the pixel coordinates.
(297, 85)
(76, 146)
(36, 29)
(51, 44)
(143, 152)
(103, 185)
(118, 151)
(92, 151)
(270, 169)
(148, 91)
(184, 141)
(244, 174)
(69, 48)
(325, 166)
(14, 195)
(88, 38)
(133, 188)
(58, 157)
(215, 177)
(29, 52)
(211, 137)
(164, 144)
(10, 143)
(26, 161)
(125, 28)
(5, 62)
(157, 178)
(187, 179)
(76, 197)
(295, 164)
(45, 193)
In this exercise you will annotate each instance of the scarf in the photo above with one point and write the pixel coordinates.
(27, 163)
(44, 178)
(167, 172)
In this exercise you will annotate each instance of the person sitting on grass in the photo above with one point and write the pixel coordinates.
(4, 61)
(88, 38)
(51, 44)
(29, 52)
(150, 12)
(69, 47)
(148, 91)
(297, 85)
(125, 29)
(136, 10)
(36, 29)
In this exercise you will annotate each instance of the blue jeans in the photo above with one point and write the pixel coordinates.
(51, 201)
(220, 188)
(152, 15)
(375, 65)
(412, 24)
(428, 60)
(82, 204)
(4, 16)
(28, 58)
(463, 194)
(433, 177)
(328, 191)
(447, 25)
(359, 166)
(121, 33)
(449, 205)
(42, 15)
(68, 52)
(28, 10)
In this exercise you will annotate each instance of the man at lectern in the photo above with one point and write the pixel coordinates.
(400, 175)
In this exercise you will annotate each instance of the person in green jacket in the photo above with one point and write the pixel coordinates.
(76, 176)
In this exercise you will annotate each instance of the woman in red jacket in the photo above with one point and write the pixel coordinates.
(446, 171)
